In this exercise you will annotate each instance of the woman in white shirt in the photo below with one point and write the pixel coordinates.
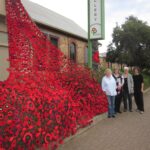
(109, 87)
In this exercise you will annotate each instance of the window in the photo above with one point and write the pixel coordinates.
(73, 52)
(86, 55)
(54, 41)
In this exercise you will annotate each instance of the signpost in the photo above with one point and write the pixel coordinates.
(96, 24)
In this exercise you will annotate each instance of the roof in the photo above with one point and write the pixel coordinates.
(52, 19)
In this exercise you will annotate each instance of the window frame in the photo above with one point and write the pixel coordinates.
(55, 37)
(75, 46)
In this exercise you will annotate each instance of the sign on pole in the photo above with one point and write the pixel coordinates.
(96, 24)
(96, 19)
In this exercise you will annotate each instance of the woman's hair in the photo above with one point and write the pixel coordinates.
(108, 70)
(136, 68)
(126, 68)
(116, 68)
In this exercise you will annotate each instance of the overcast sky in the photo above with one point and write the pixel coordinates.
(116, 11)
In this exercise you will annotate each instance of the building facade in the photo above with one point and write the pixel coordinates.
(61, 31)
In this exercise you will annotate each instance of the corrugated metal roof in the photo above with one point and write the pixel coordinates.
(50, 18)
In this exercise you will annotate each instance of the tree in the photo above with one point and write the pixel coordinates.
(111, 53)
(132, 43)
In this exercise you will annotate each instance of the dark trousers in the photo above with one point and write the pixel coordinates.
(118, 100)
(139, 100)
(127, 99)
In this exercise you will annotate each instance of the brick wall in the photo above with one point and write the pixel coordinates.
(2, 7)
(4, 55)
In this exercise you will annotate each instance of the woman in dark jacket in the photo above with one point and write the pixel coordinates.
(138, 89)
(119, 83)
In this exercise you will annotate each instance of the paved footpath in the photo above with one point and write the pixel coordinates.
(128, 131)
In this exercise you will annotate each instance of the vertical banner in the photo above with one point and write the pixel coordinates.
(96, 19)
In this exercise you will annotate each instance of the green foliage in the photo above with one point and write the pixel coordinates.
(146, 81)
(98, 74)
(131, 43)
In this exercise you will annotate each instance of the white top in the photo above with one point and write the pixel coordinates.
(109, 85)
(119, 80)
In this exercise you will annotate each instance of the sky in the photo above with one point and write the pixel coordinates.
(116, 11)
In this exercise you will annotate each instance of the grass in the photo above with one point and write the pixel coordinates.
(146, 81)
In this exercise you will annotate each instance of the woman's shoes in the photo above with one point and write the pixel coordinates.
(141, 112)
(137, 110)
(113, 116)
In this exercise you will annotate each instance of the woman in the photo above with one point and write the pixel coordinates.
(127, 89)
(109, 87)
(138, 89)
(119, 83)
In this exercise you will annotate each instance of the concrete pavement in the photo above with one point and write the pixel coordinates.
(128, 131)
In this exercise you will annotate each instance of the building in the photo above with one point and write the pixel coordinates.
(103, 61)
(69, 37)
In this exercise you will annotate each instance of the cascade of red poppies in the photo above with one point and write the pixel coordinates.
(47, 97)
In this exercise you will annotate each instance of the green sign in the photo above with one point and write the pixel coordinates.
(96, 19)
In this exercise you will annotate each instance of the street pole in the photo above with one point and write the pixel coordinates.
(103, 18)
(89, 40)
